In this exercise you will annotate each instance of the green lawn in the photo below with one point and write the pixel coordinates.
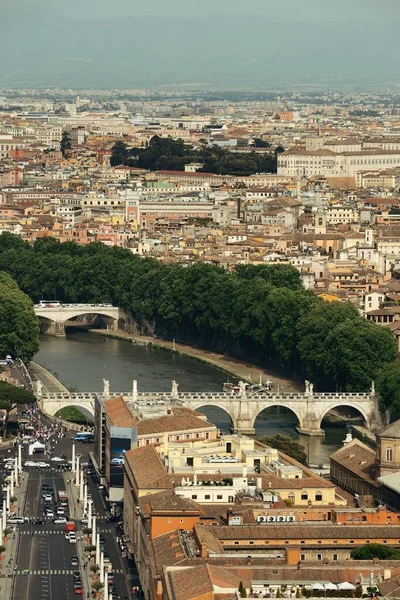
(73, 414)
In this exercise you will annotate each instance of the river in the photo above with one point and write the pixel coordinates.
(81, 361)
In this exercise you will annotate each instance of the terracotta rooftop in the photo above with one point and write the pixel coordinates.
(172, 423)
(118, 413)
(358, 458)
(147, 468)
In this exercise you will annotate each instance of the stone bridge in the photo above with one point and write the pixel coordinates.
(242, 408)
(54, 318)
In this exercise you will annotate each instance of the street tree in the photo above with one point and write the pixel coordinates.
(66, 143)
(11, 397)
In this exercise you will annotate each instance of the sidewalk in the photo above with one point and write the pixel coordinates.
(12, 544)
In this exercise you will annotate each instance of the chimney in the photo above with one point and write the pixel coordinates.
(259, 483)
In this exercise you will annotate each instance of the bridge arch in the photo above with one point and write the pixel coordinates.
(52, 407)
(262, 408)
(53, 322)
(207, 404)
(344, 404)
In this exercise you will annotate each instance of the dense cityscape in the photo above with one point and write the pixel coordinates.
(199, 304)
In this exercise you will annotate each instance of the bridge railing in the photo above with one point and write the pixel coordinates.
(216, 396)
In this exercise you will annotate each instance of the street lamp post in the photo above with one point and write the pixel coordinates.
(77, 473)
(89, 514)
(94, 539)
(101, 567)
(98, 549)
(73, 457)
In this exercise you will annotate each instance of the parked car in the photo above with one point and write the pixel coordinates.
(74, 562)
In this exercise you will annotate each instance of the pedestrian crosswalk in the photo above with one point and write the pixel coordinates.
(53, 531)
(55, 572)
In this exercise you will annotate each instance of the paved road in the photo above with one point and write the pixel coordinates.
(43, 548)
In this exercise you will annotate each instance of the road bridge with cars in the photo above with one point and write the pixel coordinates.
(54, 317)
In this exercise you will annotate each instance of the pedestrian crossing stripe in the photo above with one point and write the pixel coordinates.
(55, 572)
(52, 531)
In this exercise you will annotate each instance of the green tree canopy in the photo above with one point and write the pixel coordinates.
(65, 143)
(371, 551)
(19, 326)
(287, 445)
(12, 396)
(388, 385)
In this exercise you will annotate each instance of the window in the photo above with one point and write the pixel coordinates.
(334, 556)
(292, 498)
(302, 557)
(207, 497)
(194, 496)
(219, 496)
(251, 543)
(236, 543)
(304, 496)
(319, 556)
(169, 520)
(180, 520)
(389, 454)
(318, 497)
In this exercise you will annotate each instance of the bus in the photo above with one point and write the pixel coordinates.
(87, 437)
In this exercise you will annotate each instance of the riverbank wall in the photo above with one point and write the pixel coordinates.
(235, 368)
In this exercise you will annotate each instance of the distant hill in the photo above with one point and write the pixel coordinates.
(43, 48)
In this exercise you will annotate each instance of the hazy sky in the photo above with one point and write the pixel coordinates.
(369, 10)
(256, 43)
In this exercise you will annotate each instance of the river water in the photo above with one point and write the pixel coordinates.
(81, 360)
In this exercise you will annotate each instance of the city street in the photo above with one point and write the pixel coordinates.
(42, 550)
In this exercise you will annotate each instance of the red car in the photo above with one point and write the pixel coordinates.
(78, 591)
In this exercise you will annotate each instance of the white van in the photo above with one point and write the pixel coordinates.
(16, 520)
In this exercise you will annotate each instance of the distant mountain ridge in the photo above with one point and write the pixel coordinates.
(44, 48)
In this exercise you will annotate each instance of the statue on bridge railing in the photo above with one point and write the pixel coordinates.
(242, 388)
(309, 388)
(106, 388)
(174, 390)
(38, 388)
(373, 392)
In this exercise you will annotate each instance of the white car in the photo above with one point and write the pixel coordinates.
(59, 520)
(42, 465)
(117, 461)
(57, 459)
(50, 513)
(30, 463)
(72, 538)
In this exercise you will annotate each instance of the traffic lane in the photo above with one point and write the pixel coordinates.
(98, 500)
(61, 552)
(117, 564)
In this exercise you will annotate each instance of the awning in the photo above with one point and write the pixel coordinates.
(346, 586)
(318, 586)
(330, 586)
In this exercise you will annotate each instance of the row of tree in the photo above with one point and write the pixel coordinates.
(257, 313)
(166, 153)
(19, 326)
